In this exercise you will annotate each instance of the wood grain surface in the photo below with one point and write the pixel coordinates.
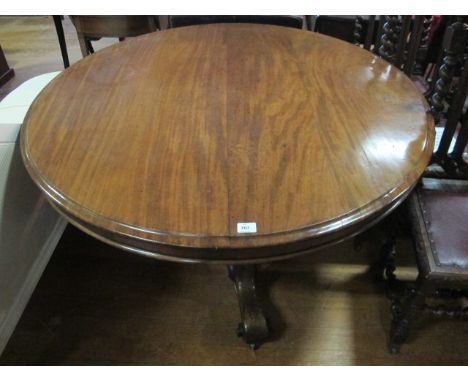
(163, 143)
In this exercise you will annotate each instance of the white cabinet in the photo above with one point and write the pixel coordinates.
(29, 227)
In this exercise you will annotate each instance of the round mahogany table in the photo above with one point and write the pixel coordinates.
(233, 143)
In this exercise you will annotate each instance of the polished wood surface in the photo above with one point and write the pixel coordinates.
(165, 142)
(97, 305)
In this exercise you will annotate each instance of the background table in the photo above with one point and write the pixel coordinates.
(163, 144)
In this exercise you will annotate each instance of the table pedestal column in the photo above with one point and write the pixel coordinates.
(254, 326)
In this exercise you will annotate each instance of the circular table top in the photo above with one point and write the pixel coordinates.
(164, 143)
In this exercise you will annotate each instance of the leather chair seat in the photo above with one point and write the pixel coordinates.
(444, 207)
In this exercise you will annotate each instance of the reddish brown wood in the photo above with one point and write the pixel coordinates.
(163, 143)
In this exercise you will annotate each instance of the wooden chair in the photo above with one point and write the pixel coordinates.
(5, 71)
(90, 28)
(61, 39)
(403, 41)
(364, 31)
(341, 27)
(437, 210)
(435, 52)
(367, 31)
(285, 21)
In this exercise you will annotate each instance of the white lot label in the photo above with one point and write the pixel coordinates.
(246, 227)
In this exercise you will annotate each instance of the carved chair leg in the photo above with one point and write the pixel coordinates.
(386, 267)
(358, 241)
(83, 45)
(254, 326)
(404, 309)
(89, 46)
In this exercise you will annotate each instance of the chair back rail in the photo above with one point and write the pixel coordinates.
(397, 39)
(437, 51)
(460, 144)
(358, 30)
(291, 21)
(420, 65)
(401, 41)
(346, 28)
(390, 38)
(455, 43)
(114, 26)
(404, 31)
(378, 37)
(370, 32)
(454, 115)
(95, 27)
(416, 40)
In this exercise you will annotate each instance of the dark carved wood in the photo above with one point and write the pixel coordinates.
(453, 48)
(427, 23)
(403, 32)
(435, 171)
(451, 293)
(389, 39)
(358, 30)
(6, 73)
(254, 326)
(434, 280)
(433, 75)
(414, 45)
(393, 225)
(462, 139)
(442, 85)
(370, 33)
(404, 309)
(388, 251)
(444, 311)
(408, 300)
(364, 32)
(380, 25)
(422, 51)
(412, 302)
(453, 163)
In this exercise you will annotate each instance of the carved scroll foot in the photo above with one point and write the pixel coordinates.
(404, 310)
(254, 327)
(399, 328)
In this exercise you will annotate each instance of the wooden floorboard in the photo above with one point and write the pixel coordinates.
(96, 305)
